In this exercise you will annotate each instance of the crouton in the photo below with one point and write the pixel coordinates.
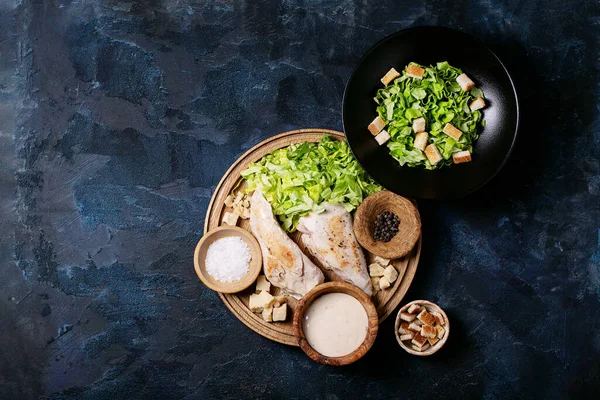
(230, 219)
(390, 76)
(433, 154)
(382, 137)
(415, 71)
(422, 348)
(414, 308)
(376, 126)
(421, 140)
(375, 270)
(452, 131)
(433, 340)
(426, 318)
(390, 274)
(440, 331)
(414, 327)
(407, 336)
(419, 125)
(439, 318)
(384, 283)
(461, 157)
(404, 328)
(407, 317)
(418, 340)
(477, 104)
(428, 331)
(465, 82)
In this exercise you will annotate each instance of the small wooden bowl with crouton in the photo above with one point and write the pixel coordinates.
(409, 228)
(255, 262)
(422, 328)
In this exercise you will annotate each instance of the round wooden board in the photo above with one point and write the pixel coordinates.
(283, 332)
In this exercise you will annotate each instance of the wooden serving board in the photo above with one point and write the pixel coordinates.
(283, 332)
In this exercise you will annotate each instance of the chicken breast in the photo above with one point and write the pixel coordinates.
(330, 239)
(284, 264)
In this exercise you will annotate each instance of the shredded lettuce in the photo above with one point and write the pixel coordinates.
(299, 178)
(439, 99)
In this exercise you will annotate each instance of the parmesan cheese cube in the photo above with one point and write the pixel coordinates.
(419, 125)
(382, 137)
(262, 284)
(433, 154)
(465, 82)
(375, 270)
(414, 71)
(267, 314)
(280, 313)
(260, 301)
(246, 213)
(390, 274)
(477, 104)
(246, 202)
(384, 283)
(421, 140)
(230, 219)
(375, 282)
(390, 76)
(238, 198)
(452, 131)
(381, 261)
(376, 126)
(228, 201)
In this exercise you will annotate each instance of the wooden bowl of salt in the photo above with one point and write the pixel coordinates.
(228, 259)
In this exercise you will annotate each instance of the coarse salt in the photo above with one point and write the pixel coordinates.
(228, 259)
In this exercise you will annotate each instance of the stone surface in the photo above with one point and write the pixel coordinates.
(117, 119)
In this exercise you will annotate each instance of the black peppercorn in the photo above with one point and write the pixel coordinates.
(386, 226)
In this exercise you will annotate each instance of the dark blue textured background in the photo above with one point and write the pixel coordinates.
(117, 119)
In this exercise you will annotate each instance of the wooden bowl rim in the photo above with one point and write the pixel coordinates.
(255, 263)
(334, 287)
(432, 349)
(389, 249)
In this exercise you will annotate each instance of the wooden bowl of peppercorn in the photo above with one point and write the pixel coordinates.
(387, 225)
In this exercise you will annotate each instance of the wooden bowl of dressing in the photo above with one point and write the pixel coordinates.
(338, 332)
(254, 267)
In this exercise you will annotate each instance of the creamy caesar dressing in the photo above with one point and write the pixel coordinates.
(335, 324)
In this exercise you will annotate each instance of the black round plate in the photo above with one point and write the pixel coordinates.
(428, 45)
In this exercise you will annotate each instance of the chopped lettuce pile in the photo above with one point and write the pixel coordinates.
(439, 99)
(298, 178)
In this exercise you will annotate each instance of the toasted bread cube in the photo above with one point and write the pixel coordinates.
(376, 126)
(381, 261)
(440, 331)
(407, 336)
(407, 317)
(390, 76)
(461, 157)
(433, 341)
(417, 322)
(404, 328)
(421, 140)
(439, 318)
(452, 131)
(418, 340)
(376, 270)
(384, 283)
(375, 282)
(383, 137)
(414, 327)
(267, 314)
(262, 284)
(230, 218)
(259, 302)
(419, 125)
(477, 104)
(414, 71)
(433, 154)
(390, 274)
(426, 318)
(414, 308)
(428, 331)
(280, 313)
(228, 201)
(422, 348)
(465, 82)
